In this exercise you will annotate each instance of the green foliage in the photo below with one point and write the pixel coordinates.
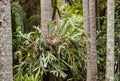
(19, 22)
(34, 19)
(26, 77)
(70, 2)
(25, 14)
(75, 8)
(62, 55)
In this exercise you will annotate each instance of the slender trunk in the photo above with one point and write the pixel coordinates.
(110, 42)
(93, 63)
(87, 33)
(46, 16)
(6, 73)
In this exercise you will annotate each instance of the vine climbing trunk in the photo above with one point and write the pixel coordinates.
(110, 42)
(6, 73)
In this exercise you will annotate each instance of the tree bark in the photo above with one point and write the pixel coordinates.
(46, 16)
(93, 63)
(6, 73)
(87, 33)
(110, 42)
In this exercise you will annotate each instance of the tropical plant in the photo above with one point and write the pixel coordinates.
(62, 55)
(18, 18)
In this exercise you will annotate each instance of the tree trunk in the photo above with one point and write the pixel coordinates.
(93, 63)
(46, 16)
(110, 42)
(87, 33)
(6, 73)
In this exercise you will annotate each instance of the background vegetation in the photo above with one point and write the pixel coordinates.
(63, 56)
